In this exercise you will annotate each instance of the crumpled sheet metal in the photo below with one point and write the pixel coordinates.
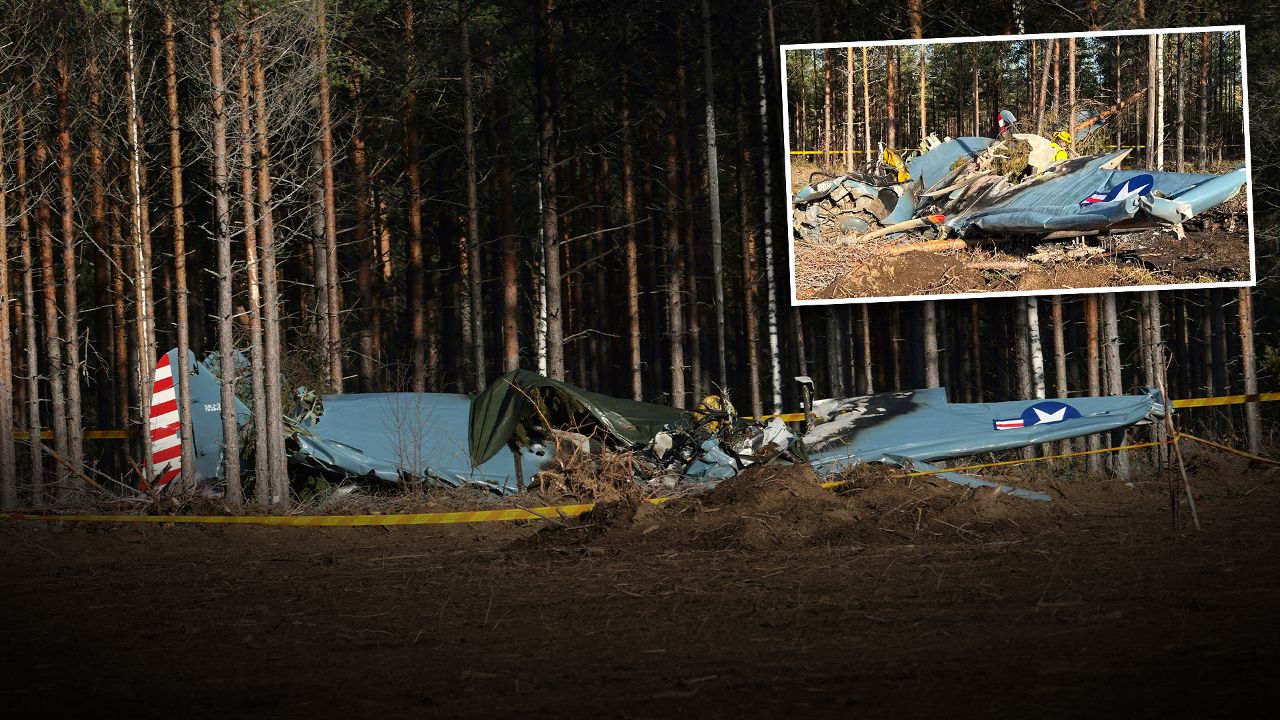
(206, 418)
(1056, 201)
(1084, 195)
(496, 412)
(929, 168)
(922, 426)
(386, 436)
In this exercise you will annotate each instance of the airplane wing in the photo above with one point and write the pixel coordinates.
(921, 425)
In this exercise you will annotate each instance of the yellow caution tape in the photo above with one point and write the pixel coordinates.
(551, 512)
(786, 417)
(1231, 450)
(88, 435)
(1226, 400)
(833, 152)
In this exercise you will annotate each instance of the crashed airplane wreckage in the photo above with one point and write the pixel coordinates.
(956, 188)
(502, 438)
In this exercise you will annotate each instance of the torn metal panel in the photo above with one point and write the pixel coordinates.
(1048, 196)
(921, 425)
(206, 422)
(401, 437)
(522, 400)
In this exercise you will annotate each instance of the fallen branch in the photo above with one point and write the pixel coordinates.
(927, 246)
(1002, 265)
(911, 224)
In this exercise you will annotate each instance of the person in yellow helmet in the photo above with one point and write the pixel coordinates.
(1063, 141)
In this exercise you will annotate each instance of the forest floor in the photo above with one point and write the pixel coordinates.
(768, 596)
(1214, 249)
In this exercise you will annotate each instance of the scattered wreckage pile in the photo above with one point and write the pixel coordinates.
(956, 192)
(528, 431)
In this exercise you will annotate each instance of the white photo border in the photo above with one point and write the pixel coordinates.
(1248, 163)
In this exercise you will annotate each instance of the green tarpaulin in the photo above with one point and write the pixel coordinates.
(497, 412)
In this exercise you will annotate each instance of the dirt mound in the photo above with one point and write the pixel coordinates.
(926, 510)
(772, 506)
(779, 507)
(916, 273)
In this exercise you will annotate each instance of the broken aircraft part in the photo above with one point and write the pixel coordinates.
(500, 439)
(957, 179)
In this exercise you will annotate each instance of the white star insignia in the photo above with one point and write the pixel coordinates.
(1053, 417)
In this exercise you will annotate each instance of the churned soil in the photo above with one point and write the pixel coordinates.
(767, 596)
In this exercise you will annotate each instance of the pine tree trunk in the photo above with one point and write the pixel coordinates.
(1044, 86)
(931, 375)
(977, 123)
(1159, 61)
(121, 362)
(49, 299)
(826, 107)
(1248, 365)
(713, 197)
(178, 223)
(848, 111)
(835, 363)
(1152, 55)
(1093, 373)
(277, 458)
(70, 273)
(363, 241)
(750, 271)
(766, 147)
(1115, 381)
(34, 425)
(139, 223)
(675, 311)
(332, 318)
(924, 94)
(1179, 79)
(510, 240)
(1022, 351)
(415, 270)
(8, 452)
(475, 307)
(975, 342)
(895, 343)
(261, 446)
(546, 47)
(1057, 80)
(688, 262)
(866, 110)
(1035, 348)
(868, 383)
(631, 248)
(1204, 101)
(891, 96)
(1071, 96)
(226, 279)
(107, 400)
(1060, 356)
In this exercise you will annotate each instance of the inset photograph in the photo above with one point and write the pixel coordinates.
(1014, 165)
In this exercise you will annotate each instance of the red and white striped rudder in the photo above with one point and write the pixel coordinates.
(166, 442)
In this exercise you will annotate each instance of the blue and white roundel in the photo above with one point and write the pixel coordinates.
(1047, 412)
(1136, 185)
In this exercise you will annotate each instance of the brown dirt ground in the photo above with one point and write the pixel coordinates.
(767, 596)
(1215, 249)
